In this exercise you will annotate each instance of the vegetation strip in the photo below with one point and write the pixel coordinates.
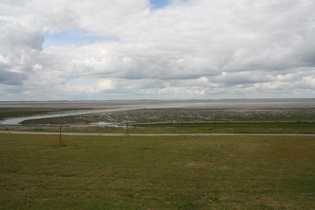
(158, 134)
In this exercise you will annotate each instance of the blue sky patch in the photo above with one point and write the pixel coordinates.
(74, 37)
(157, 4)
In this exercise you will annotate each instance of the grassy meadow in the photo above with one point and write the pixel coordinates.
(128, 172)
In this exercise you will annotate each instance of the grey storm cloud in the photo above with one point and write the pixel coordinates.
(187, 49)
(11, 78)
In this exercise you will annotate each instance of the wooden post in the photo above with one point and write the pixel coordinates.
(127, 131)
(60, 143)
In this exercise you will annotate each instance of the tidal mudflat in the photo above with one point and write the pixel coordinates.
(115, 112)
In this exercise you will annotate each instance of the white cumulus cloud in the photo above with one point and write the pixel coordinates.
(131, 49)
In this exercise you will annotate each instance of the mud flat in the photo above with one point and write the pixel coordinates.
(120, 112)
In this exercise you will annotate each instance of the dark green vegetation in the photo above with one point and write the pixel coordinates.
(158, 128)
(22, 112)
(156, 172)
(228, 127)
(7, 113)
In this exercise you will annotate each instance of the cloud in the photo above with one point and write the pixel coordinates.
(192, 48)
(11, 78)
(20, 44)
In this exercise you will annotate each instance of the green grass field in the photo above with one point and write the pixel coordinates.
(94, 172)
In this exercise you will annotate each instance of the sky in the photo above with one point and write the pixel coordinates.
(158, 49)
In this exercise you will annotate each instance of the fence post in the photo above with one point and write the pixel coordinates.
(60, 143)
(127, 131)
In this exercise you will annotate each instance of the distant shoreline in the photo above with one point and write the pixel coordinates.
(158, 100)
